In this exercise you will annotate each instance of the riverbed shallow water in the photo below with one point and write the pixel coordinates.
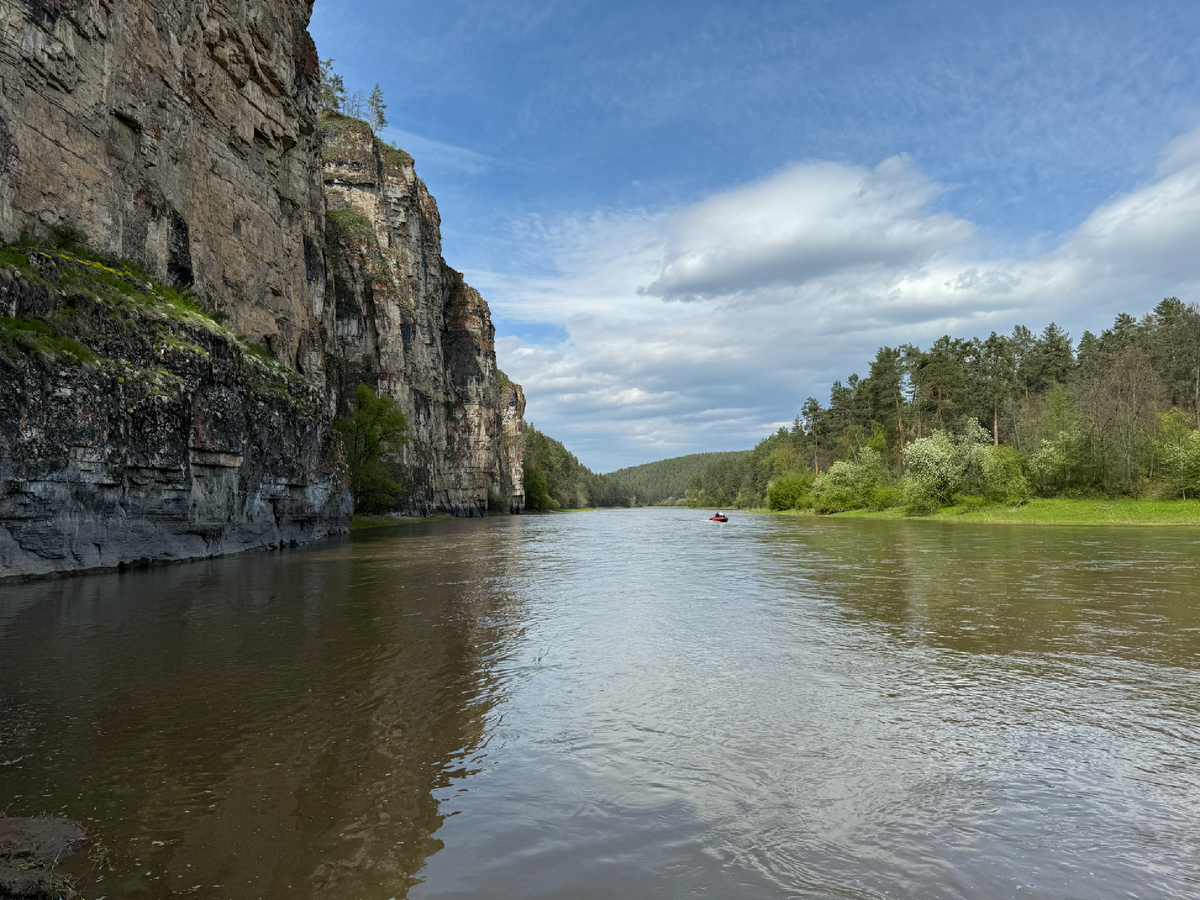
(627, 704)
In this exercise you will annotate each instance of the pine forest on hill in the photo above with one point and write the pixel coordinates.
(665, 482)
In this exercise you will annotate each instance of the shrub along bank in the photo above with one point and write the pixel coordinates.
(992, 422)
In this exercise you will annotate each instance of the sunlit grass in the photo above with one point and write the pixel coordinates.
(1061, 512)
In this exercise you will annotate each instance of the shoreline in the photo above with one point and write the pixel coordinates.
(365, 523)
(1158, 513)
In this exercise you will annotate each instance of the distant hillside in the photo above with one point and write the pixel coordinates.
(555, 479)
(657, 482)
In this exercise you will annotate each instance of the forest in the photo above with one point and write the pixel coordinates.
(993, 420)
(665, 482)
(555, 479)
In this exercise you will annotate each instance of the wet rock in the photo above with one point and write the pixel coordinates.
(30, 850)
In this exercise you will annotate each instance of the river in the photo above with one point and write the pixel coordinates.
(626, 704)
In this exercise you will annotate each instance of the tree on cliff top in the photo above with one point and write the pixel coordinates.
(377, 107)
(375, 430)
(331, 95)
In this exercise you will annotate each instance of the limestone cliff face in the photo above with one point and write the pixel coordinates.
(133, 428)
(177, 134)
(407, 323)
(183, 136)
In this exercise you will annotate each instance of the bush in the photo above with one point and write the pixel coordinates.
(375, 430)
(921, 497)
(970, 503)
(1002, 475)
(887, 497)
(347, 225)
(1178, 450)
(850, 485)
(790, 492)
(935, 471)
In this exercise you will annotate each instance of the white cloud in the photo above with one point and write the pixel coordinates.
(802, 276)
(429, 153)
(806, 221)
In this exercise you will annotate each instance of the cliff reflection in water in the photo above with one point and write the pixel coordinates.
(269, 724)
(646, 704)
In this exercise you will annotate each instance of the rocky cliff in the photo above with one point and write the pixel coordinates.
(179, 135)
(183, 137)
(136, 428)
(407, 323)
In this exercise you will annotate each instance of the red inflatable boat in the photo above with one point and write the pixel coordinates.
(719, 518)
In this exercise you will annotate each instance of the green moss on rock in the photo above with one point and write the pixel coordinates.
(349, 224)
(36, 336)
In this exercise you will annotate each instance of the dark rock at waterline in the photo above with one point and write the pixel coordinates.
(30, 849)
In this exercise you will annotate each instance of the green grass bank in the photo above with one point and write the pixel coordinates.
(1047, 512)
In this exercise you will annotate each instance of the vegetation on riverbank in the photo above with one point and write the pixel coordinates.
(989, 424)
(372, 435)
(1054, 511)
(556, 480)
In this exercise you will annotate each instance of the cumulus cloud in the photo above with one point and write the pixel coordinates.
(804, 222)
(803, 276)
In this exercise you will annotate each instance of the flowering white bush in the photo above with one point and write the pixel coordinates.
(1178, 452)
(939, 469)
(935, 469)
(850, 485)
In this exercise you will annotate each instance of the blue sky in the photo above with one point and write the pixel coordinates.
(687, 217)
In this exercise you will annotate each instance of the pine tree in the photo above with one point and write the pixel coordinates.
(331, 95)
(378, 120)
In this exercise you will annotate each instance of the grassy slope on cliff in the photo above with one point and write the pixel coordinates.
(92, 305)
(667, 479)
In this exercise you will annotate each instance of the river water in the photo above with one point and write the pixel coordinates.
(626, 704)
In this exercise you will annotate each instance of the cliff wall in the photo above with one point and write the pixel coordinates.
(135, 428)
(408, 324)
(183, 136)
(177, 134)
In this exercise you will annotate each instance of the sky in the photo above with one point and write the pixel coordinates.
(688, 217)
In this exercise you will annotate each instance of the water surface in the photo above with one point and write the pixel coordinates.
(625, 704)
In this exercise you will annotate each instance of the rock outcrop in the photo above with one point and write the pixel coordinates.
(30, 851)
(136, 429)
(178, 135)
(408, 324)
(184, 137)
